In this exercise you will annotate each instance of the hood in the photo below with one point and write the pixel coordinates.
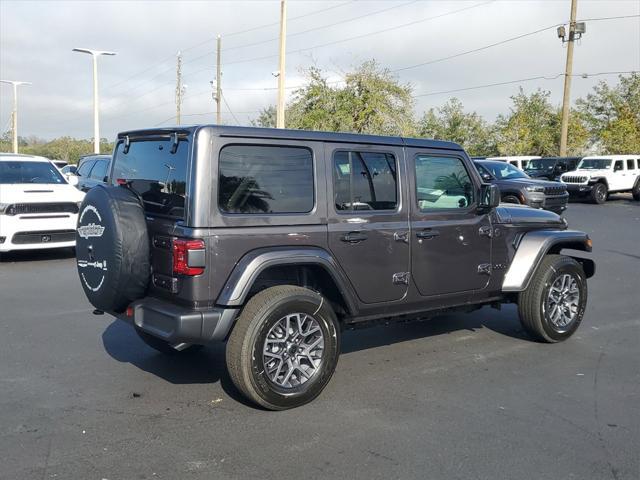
(39, 193)
(523, 182)
(588, 172)
(524, 215)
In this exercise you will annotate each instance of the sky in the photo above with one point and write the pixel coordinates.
(414, 39)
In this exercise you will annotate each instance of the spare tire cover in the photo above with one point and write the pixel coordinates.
(112, 248)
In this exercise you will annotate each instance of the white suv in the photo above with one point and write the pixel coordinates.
(598, 176)
(38, 206)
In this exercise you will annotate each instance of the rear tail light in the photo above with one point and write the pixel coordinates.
(188, 257)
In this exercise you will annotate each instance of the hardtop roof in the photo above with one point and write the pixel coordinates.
(275, 133)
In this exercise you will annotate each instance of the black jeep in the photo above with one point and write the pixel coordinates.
(276, 240)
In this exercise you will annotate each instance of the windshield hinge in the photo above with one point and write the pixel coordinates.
(174, 139)
(127, 144)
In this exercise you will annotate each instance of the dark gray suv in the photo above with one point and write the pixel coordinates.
(517, 187)
(274, 241)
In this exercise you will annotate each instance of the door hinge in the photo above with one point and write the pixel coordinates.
(484, 268)
(401, 278)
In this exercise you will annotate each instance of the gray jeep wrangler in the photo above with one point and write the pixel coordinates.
(276, 240)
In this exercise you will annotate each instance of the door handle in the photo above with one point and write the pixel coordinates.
(354, 237)
(428, 233)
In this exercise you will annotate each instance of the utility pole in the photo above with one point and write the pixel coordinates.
(281, 72)
(575, 31)
(179, 88)
(96, 105)
(14, 113)
(218, 82)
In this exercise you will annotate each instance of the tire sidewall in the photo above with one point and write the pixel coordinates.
(576, 272)
(600, 199)
(263, 386)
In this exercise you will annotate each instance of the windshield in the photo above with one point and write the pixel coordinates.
(29, 172)
(594, 164)
(155, 173)
(541, 164)
(504, 170)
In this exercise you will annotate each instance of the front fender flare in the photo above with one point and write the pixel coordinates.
(248, 269)
(534, 246)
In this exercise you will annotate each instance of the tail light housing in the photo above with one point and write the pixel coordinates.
(188, 257)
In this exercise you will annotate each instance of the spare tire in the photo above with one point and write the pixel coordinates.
(112, 248)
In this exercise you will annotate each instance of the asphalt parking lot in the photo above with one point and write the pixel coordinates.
(463, 396)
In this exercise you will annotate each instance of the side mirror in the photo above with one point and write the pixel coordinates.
(72, 179)
(486, 177)
(489, 196)
(561, 168)
(617, 168)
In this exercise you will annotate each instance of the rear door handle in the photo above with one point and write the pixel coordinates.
(354, 237)
(428, 233)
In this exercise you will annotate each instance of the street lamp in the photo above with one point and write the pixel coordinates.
(14, 114)
(96, 120)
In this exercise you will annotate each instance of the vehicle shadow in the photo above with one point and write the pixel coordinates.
(207, 365)
(37, 255)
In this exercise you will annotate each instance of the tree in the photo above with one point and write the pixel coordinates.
(612, 115)
(267, 118)
(63, 148)
(371, 101)
(533, 127)
(450, 122)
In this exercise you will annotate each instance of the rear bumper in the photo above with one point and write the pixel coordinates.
(176, 324)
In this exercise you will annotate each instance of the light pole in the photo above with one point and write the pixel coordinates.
(14, 114)
(96, 120)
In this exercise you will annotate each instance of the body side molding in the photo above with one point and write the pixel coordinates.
(252, 264)
(533, 247)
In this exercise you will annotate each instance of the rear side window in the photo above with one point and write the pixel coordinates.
(265, 179)
(631, 164)
(85, 168)
(157, 174)
(99, 171)
(364, 181)
(442, 183)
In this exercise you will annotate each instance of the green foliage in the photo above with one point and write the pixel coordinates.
(371, 101)
(451, 122)
(266, 119)
(613, 115)
(63, 148)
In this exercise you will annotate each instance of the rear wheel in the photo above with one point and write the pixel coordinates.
(553, 305)
(599, 193)
(284, 347)
(511, 199)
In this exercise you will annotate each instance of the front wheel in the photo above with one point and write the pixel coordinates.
(635, 191)
(552, 306)
(284, 347)
(599, 193)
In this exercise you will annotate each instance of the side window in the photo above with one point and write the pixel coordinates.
(364, 181)
(85, 168)
(630, 164)
(265, 179)
(442, 182)
(572, 165)
(99, 171)
(619, 165)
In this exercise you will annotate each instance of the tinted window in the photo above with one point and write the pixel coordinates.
(619, 165)
(365, 181)
(443, 182)
(265, 179)
(29, 172)
(157, 175)
(99, 171)
(630, 164)
(85, 167)
(594, 164)
(504, 171)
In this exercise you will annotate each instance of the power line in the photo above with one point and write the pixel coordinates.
(231, 111)
(520, 80)
(377, 32)
(259, 27)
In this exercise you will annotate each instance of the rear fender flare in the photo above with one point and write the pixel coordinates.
(239, 283)
(534, 246)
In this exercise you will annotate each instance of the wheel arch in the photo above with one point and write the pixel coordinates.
(310, 267)
(532, 248)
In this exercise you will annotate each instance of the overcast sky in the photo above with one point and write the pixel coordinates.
(137, 86)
